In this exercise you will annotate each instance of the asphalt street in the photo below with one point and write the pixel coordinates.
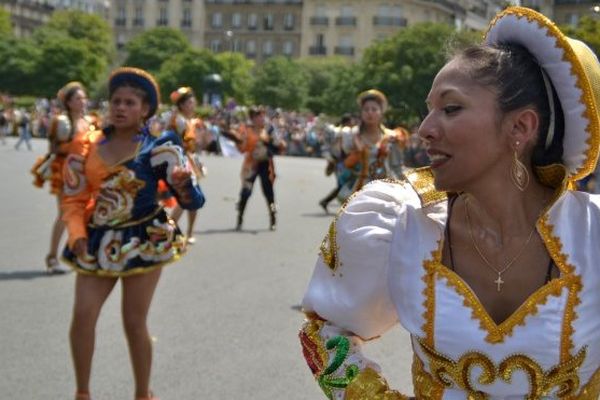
(224, 319)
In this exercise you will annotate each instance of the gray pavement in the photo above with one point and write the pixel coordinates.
(224, 318)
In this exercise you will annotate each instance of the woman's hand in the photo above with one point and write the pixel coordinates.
(80, 247)
(180, 179)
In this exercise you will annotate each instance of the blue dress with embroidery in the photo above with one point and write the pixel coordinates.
(117, 210)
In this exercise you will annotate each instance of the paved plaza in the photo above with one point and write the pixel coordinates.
(224, 319)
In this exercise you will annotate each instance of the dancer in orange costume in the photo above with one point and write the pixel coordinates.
(64, 129)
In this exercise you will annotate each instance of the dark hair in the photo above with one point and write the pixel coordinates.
(139, 91)
(256, 110)
(69, 94)
(346, 119)
(517, 78)
(184, 98)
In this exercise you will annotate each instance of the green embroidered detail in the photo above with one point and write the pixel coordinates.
(327, 382)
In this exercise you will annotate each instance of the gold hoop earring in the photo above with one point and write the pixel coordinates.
(518, 172)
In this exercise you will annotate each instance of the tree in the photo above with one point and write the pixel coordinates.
(280, 82)
(153, 47)
(588, 31)
(6, 30)
(64, 59)
(403, 66)
(236, 71)
(188, 68)
(331, 84)
(18, 70)
(92, 30)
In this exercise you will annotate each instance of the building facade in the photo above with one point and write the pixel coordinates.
(258, 29)
(27, 15)
(129, 18)
(348, 27)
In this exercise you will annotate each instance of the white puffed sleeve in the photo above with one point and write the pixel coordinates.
(349, 285)
(348, 296)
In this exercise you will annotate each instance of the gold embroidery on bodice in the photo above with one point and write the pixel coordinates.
(561, 380)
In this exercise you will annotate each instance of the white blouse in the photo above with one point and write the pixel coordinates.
(381, 263)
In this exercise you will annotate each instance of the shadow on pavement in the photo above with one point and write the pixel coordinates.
(231, 230)
(318, 215)
(26, 275)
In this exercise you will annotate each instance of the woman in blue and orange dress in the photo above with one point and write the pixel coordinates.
(116, 227)
(64, 128)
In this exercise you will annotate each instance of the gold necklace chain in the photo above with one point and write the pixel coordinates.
(509, 264)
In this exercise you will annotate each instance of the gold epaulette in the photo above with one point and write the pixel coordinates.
(421, 179)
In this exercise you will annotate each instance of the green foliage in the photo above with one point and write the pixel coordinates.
(18, 69)
(188, 68)
(403, 67)
(64, 59)
(331, 84)
(236, 71)
(153, 47)
(6, 29)
(280, 83)
(588, 31)
(93, 31)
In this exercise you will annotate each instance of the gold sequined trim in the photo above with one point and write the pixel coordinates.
(554, 246)
(315, 352)
(588, 98)
(591, 391)
(495, 333)
(369, 385)
(421, 179)
(562, 378)
(426, 388)
(329, 248)
(429, 295)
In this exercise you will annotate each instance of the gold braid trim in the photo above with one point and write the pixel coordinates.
(429, 295)
(422, 181)
(554, 246)
(369, 385)
(591, 391)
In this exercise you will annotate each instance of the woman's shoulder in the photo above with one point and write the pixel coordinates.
(415, 188)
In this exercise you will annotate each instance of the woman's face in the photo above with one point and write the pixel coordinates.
(77, 102)
(188, 107)
(463, 131)
(371, 113)
(126, 109)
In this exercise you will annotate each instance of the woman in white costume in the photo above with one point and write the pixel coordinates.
(488, 258)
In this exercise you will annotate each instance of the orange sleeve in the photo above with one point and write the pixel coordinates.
(352, 159)
(76, 191)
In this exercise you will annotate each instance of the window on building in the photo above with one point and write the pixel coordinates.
(120, 41)
(288, 21)
(163, 16)
(236, 20)
(217, 20)
(215, 45)
(121, 17)
(267, 47)
(236, 45)
(320, 40)
(572, 19)
(186, 18)
(288, 48)
(252, 21)
(251, 47)
(383, 11)
(138, 20)
(268, 22)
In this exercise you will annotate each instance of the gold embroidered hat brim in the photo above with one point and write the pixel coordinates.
(574, 71)
(176, 95)
(372, 94)
(73, 85)
(142, 78)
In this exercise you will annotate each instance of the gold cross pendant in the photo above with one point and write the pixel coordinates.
(499, 282)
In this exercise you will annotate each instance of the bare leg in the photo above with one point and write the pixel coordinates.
(176, 213)
(90, 294)
(57, 230)
(191, 221)
(138, 291)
